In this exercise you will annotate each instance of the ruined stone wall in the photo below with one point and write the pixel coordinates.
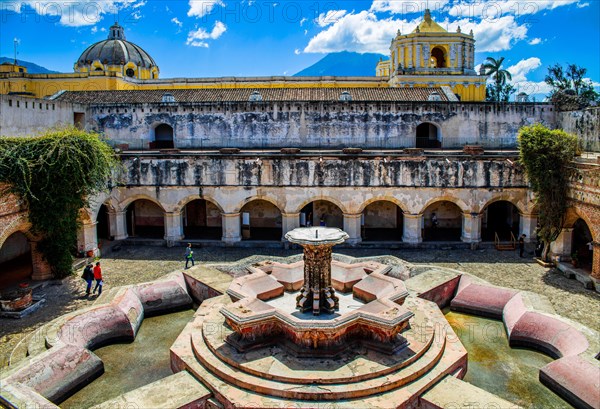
(585, 124)
(448, 171)
(383, 125)
(27, 116)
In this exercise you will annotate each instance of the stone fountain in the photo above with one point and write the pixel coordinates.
(317, 294)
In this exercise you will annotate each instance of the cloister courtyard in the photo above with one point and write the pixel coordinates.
(138, 264)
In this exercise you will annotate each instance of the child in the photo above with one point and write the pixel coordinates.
(189, 255)
(98, 278)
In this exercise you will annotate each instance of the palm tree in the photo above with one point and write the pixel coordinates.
(494, 68)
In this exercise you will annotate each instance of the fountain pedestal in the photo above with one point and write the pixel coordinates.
(317, 294)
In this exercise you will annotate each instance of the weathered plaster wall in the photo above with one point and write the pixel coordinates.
(316, 125)
(458, 171)
(585, 124)
(448, 214)
(148, 213)
(263, 214)
(26, 116)
(381, 215)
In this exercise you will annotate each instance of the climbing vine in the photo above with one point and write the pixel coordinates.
(54, 175)
(545, 154)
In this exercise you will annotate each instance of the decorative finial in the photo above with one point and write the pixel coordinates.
(471, 33)
(427, 15)
(398, 33)
(418, 30)
(458, 30)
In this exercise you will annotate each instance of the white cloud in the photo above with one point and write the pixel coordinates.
(176, 21)
(520, 70)
(361, 32)
(406, 6)
(200, 8)
(492, 35)
(94, 30)
(297, 51)
(582, 5)
(494, 9)
(77, 13)
(302, 21)
(535, 41)
(331, 17)
(199, 37)
(305, 32)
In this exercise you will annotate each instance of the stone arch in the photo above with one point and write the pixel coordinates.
(392, 199)
(19, 223)
(498, 219)
(260, 221)
(439, 57)
(459, 202)
(382, 220)
(507, 197)
(428, 135)
(201, 217)
(331, 199)
(574, 213)
(163, 136)
(442, 222)
(130, 199)
(247, 200)
(145, 221)
(180, 206)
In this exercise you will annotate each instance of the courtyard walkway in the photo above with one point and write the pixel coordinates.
(136, 264)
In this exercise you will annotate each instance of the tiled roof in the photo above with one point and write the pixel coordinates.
(243, 95)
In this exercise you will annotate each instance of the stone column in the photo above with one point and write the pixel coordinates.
(528, 226)
(563, 244)
(596, 264)
(87, 238)
(41, 268)
(289, 222)
(118, 224)
(471, 228)
(232, 228)
(412, 228)
(352, 227)
(173, 228)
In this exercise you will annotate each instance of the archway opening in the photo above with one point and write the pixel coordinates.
(15, 260)
(382, 221)
(202, 221)
(322, 213)
(442, 221)
(428, 136)
(145, 219)
(500, 218)
(103, 224)
(261, 220)
(581, 246)
(163, 137)
(438, 59)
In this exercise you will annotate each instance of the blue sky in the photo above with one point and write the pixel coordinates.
(190, 38)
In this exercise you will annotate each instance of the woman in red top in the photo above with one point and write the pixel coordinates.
(98, 278)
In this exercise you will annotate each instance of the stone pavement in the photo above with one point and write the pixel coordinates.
(138, 264)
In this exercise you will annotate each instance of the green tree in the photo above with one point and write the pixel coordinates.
(498, 91)
(570, 89)
(54, 175)
(545, 155)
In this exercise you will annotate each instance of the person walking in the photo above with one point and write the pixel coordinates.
(521, 244)
(88, 276)
(189, 255)
(98, 278)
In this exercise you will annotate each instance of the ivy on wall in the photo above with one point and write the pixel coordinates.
(545, 154)
(54, 175)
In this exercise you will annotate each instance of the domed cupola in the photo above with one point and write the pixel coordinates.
(118, 55)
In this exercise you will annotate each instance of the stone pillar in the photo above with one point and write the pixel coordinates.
(353, 228)
(87, 238)
(232, 228)
(562, 245)
(471, 228)
(412, 228)
(596, 264)
(528, 227)
(41, 268)
(118, 224)
(289, 221)
(173, 228)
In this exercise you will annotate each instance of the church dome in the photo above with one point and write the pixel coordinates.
(115, 51)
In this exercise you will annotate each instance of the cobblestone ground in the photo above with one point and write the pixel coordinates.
(139, 264)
